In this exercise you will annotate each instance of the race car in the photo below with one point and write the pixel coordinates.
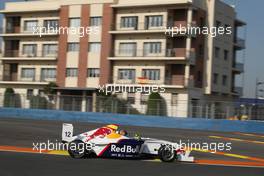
(107, 142)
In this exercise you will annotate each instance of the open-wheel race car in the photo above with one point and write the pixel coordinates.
(107, 142)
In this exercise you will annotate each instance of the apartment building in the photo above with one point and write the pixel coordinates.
(130, 48)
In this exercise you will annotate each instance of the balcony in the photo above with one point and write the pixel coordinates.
(240, 23)
(145, 28)
(238, 91)
(16, 55)
(13, 24)
(240, 44)
(178, 54)
(16, 31)
(11, 53)
(175, 81)
(238, 68)
(35, 80)
(138, 28)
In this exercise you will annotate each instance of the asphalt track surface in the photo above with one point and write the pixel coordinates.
(245, 158)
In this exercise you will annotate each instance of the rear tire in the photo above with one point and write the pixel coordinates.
(77, 149)
(166, 154)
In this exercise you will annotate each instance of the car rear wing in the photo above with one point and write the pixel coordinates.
(67, 132)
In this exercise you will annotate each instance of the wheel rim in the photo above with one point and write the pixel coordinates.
(168, 154)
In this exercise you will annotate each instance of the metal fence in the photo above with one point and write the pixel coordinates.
(132, 105)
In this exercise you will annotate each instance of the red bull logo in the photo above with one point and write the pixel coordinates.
(124, 149)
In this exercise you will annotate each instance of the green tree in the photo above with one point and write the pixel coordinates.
(156, 105)
(49, 89)
(11, 99)
(38, 102)
(113, 104)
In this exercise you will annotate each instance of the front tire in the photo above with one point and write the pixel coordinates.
(167, 154)
(77, 149)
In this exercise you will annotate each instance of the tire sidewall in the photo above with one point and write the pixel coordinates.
(76, 154)
(161, 154)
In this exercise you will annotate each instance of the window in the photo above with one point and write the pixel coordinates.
(71, 72)
(131, 98)
(29, 93)
(224, 80)
(95, 21)
(73, 47)
(127, 74)
(217, 52)
(151, 74)
(174, 99)
(152, 48)
(144, 99)
(154, 21)
(93, 72)
(127, 49)
(48, 73)
(95, 47)
(218, 24)
(51, 24)
(75, 22)
(226, 54)
(30, 25)
(129, 22)
(215, 78)
(50, 49)
(28, 73)
(30, 50)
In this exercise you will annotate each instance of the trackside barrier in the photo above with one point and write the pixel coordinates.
(137, 120)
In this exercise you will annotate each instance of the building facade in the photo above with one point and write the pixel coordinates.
(130, 47)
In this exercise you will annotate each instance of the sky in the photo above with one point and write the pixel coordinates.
(252, 13)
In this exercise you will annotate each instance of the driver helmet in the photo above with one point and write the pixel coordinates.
(113, 127)
(123, 132)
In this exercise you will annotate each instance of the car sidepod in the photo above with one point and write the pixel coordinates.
(125, 148)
